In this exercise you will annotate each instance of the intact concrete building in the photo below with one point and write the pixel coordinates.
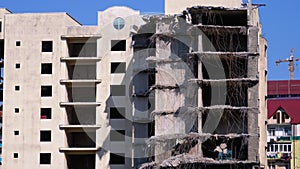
(181, 90)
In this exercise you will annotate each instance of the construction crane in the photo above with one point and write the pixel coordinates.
(291, 61)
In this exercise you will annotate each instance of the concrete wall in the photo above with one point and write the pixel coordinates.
(31, 30)
(262, 70)
(108, 32)
(172, 7)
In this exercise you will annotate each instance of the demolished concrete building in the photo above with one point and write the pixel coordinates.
(210, 83)
(182, 90)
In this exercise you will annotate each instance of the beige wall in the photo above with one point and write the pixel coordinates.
(262, 69)
(175, 7)
(31, 30)
(108, 32)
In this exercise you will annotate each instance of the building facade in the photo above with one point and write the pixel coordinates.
(283, 124)
(135, 91)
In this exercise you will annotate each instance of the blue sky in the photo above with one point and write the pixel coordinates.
(280, 21)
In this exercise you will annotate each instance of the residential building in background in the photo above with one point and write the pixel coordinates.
(183, 90)
(283, 124)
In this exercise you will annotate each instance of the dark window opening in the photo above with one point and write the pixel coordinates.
(81, 139)
(16, 155)
(0, 26)
(117, 158)
(118, 67)
(2, 49)
(81, 115)
(46, 68)
(143, 41)
(18, 43)
(18, 66)
(46, 91)
(45, 136)
(117, 135)
(151, 80)
(45, 158)
(219, 17)
(151, 129)
(87, 49)
(45, 113)
(225, 42)
(238, 121)
(118, 45)
(78, 71)
(17, 88)
(16, 133)
(17, 110)
(81, 161)
(117, 113)
(285, 115)
(47, 46)
(220, 67)
(225, 95)
(275, 116)
(117, 90)
(236, 149)
(82, 94)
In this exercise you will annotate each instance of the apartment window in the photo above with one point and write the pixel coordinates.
(117, 135)
(45, 136)
(285, 115)
(16, 155)
(289, 148)
(46, 68)
(18, 43)
(119, 23)
(117, 112)
(45, 158)
(118, 67)
(280, 147)
(117, 90)
(0, 26)
(118, 45)
(17, 88)
(272, 131)
(47, 46)
(18, 66)
(117, 158)
(46, 91)
(272, 148)
(275, 116)
(45, 113)
(16, 132)
(17, 110)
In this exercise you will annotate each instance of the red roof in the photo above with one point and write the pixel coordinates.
(290, 105)
(283, 87)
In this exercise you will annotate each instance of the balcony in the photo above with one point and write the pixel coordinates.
(79, 150)
(78, 81)
(76, 128)
(82, 141)
(79, 103)
(80, 59)
(279, 156)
